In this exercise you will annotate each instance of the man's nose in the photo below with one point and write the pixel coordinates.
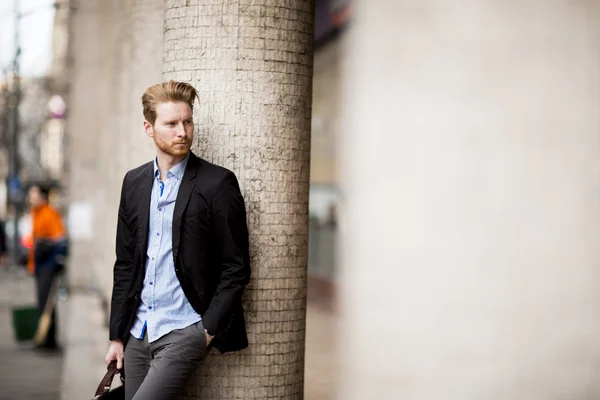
(180, 131)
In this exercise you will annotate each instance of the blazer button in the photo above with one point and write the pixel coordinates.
(176, 269)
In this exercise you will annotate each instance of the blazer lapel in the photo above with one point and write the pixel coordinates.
(145, 198)
(183, 197)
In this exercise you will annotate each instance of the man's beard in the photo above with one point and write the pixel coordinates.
(172, 149)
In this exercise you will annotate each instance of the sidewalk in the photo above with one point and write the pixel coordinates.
(86, 343)
(24, 373)
(322, 363)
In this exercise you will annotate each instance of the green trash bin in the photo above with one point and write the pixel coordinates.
(25, 322)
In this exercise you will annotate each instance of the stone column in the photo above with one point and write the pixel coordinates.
(84, 119)
(145, 69)
(252, 64)
(471, 174)
(117, 52)
(115, 47)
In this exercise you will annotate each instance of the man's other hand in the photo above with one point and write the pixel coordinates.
(208, 337)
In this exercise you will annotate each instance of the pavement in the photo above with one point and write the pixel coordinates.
(74, 373)
(25, 374)
(87, 342)
(322, 363)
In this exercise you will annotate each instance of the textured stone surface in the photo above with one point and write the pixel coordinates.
(252, 63)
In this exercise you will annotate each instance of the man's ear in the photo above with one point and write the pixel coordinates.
(148, 128)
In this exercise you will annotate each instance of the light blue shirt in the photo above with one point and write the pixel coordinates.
(163, 307)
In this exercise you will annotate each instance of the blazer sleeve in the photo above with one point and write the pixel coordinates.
(231, 236)
(123, 268)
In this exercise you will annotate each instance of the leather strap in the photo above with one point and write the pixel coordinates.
(106, 382)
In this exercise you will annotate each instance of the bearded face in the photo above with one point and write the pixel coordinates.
(173, 130)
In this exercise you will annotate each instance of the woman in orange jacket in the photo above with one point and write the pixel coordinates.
(48, 230)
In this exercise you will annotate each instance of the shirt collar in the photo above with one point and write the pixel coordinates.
(177, 171)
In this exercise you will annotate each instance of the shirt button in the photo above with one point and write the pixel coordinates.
(151, 283)
(150, 307)
(160, 209)
(157, 234)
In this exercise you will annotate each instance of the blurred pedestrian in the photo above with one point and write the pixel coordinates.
(182, 256)
(48, 235)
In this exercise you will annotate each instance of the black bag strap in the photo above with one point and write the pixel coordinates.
(106, 382)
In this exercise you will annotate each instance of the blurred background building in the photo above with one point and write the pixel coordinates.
(34, 86)
(331, 18)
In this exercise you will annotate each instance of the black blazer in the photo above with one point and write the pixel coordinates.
(210, 250)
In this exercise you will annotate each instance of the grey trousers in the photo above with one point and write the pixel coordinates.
(159, 370)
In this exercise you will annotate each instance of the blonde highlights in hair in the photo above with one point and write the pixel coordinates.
(166, 92)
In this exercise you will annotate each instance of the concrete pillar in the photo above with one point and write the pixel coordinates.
(471, 223)
(146, 69)
(252, 64)
(95, 132)
(133, 62)
(114, 42)
(117, 53)
(83, 134)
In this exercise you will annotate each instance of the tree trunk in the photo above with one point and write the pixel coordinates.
(252, 64)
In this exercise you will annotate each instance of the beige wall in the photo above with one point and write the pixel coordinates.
(471, 223)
